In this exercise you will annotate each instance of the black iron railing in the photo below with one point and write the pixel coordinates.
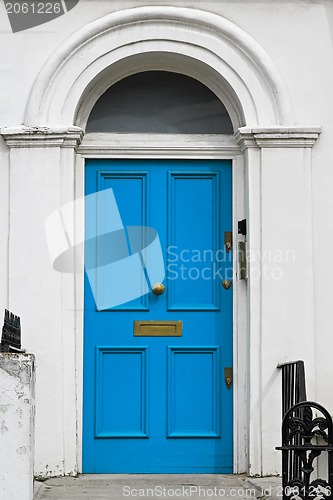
(307, 432)
(293, 384)
(293, 392)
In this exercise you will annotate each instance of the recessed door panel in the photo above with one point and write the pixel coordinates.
(115, 246)
(193, 197)
(193, 392)
(121, 392)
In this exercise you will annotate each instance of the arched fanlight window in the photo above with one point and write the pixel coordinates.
(159, 102)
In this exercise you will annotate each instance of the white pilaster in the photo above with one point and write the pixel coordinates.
(280, 285)
(41, 180)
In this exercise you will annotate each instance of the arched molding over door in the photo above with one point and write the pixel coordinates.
(200, 44)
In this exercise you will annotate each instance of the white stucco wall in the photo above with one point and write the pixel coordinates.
(17, 415)
(298, 38)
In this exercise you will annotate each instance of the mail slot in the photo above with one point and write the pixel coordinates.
(158, 328)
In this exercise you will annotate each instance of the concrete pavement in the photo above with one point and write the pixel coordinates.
(157, 486)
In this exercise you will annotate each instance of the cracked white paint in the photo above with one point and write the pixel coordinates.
(17, 403)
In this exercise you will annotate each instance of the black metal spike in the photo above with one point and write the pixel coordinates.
(11, 333)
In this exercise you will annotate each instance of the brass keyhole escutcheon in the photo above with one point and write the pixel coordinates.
(228, 241)
(226, 284)
(158, 288)
(228, 376)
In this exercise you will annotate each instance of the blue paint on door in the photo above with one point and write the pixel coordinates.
(160, 404)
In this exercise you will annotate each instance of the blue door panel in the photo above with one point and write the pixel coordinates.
(193, 196)
(121, 402)
(193, 392)
(127, 185)
(159, 404)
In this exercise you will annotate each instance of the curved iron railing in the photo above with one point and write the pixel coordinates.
(307, 432)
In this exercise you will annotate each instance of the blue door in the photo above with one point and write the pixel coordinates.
(155, 395)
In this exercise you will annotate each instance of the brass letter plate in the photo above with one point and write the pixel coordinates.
(158, 328)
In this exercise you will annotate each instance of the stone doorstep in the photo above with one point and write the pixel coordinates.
(269, 487)
(39, 487)
(265, 487)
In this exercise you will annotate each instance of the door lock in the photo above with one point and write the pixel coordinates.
(228, 376)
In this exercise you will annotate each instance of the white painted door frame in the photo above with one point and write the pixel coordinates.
(141, 146)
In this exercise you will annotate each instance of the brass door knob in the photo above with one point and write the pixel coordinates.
(226, 284)
(158, 288)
